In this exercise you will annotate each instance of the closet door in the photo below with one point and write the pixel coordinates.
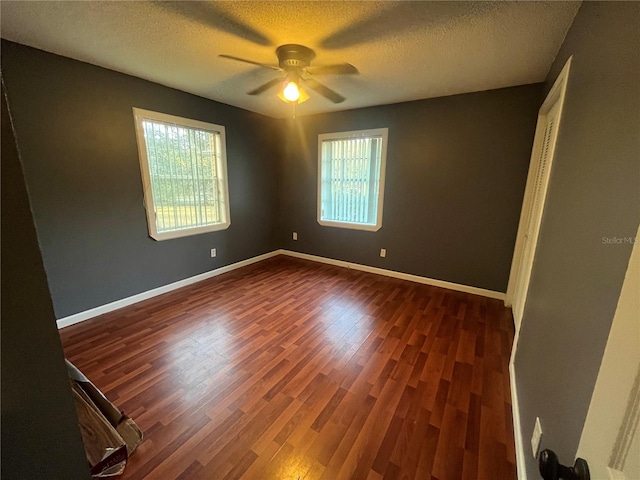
(535, 195)
(536, 208)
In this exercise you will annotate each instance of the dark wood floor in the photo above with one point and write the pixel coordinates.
(290, 369)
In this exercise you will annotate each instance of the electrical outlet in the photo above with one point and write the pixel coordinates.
(383, 252)
(536, 438)
(213, 252)
(295, 235)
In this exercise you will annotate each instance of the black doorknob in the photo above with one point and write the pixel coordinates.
(551, 469)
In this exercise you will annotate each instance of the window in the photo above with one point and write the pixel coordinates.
(351, 168)
(184, 174)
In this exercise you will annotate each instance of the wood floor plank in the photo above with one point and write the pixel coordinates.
(289, 369)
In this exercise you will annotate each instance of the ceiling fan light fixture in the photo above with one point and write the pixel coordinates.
(291, 92)
(295, 62)
(303, 96)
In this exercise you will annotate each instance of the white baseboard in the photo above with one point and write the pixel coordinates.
(403, 276)
(110, 307)
(515, 410)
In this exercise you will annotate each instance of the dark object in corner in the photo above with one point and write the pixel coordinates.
(551, 469)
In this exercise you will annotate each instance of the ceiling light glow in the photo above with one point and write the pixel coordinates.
(291, 92)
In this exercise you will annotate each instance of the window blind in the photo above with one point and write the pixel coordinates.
(183, 175)
(350, 179)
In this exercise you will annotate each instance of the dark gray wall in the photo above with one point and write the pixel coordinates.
(40, 434)
(594, 192)
(74, 124)
(455, 177)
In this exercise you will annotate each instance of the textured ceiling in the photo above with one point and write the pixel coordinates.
(403, 50)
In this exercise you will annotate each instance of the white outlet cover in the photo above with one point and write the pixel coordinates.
(295, 235)
(383, 252)
(213, 252)
(536, 437)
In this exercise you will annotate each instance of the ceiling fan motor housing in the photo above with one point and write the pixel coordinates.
(294, 56)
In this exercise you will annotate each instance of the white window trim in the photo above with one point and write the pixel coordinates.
(223, 184)
(384, 133)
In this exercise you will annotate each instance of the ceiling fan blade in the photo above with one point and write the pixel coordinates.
(335, 97)
(265, 87)
(338, 69)
(238, 59)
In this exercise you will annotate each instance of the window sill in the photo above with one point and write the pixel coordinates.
(352, 226)
(188, 232)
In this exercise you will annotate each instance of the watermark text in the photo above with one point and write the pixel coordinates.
(619, 240)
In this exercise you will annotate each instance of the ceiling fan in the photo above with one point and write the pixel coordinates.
(295, 62)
